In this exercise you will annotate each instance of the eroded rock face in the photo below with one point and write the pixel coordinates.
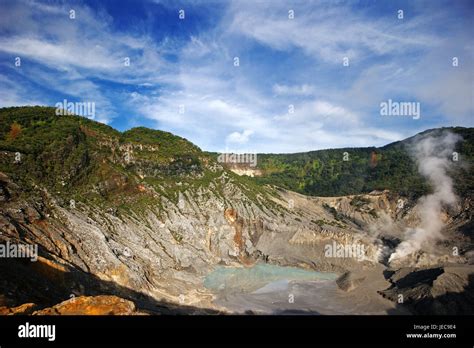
(145, 215)
(165, 252)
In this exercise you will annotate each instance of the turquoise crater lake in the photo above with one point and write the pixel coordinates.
(248, 279)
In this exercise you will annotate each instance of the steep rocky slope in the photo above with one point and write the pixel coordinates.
(145, 215)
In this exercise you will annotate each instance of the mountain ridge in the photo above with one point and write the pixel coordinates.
(147, 221)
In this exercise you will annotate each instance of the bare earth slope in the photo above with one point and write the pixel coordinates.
(145, 216)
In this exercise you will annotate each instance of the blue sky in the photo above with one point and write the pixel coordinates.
(182, 76)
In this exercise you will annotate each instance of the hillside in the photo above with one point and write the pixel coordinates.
(86, 161)
(146, 215)
(338, 172)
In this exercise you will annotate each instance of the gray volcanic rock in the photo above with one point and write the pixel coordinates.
(146, 215)
(438, 290)
(349, 281)
(165, 253)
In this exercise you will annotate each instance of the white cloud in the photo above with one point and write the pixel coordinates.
(66, 55)
(13, 94)
(303, 90)
(241, 106)
(328, 32)
(323, 112)
(239, 138)
(225, 107)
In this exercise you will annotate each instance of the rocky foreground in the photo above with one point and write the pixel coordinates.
(83, 305)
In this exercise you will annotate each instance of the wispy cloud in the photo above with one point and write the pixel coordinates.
(329, 31)
(304, 90)
(290, 90)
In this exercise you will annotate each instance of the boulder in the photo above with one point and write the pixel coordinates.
(91, 305)
(349, 281)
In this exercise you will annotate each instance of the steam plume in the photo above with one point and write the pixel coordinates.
(432, 154)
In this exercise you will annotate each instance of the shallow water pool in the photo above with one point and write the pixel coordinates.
(259, 276)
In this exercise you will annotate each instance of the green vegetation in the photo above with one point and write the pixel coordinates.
(80, 159)
(338, 216)
(326, 173)
(177, 236)
(162, 146)
(127, 173)
(359, 201)
(323, 222)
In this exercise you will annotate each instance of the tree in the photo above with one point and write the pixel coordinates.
(15, 131)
